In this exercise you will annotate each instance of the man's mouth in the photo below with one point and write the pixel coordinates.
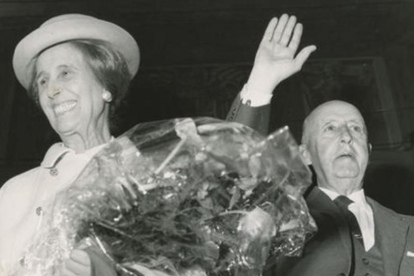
(346, 155)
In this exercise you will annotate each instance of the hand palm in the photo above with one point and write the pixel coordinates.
(275, 59)
(278, 59)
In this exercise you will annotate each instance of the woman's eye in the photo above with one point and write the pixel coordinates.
(41, 82)
(65, 73)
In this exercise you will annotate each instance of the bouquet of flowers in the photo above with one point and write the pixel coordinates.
(183, 197)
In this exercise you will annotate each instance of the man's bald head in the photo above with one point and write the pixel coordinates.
(310, 119)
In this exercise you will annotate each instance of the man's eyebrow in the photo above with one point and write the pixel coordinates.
(324, 123)
(359, 121)
(327, 120)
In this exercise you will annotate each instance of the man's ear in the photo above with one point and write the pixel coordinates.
(305, 154)
(369, 148)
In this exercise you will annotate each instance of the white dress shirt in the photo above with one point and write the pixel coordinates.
(254, 98)
(363, 213)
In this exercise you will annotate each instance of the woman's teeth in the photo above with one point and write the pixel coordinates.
(64, 107)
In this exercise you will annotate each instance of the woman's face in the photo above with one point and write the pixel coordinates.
(69, 93)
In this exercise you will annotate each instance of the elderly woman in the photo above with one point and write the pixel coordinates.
(77, 68)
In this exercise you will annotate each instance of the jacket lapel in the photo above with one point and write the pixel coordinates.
(319, 203)
(390, 233)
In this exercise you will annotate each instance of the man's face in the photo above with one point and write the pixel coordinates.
(337, 146)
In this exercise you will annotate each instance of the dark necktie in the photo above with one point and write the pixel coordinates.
(343, 202)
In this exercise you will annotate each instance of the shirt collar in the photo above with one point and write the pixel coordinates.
(58, 150)
(358, 197)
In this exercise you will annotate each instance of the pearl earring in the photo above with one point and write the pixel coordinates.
(107, 96)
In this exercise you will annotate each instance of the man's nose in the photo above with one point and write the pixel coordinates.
(346, 136)
(53, 92)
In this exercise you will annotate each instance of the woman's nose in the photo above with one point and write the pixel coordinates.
(53, 92)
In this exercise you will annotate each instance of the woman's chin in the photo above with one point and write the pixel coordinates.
(65, 131)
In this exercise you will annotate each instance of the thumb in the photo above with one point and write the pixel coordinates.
(304, 55)
(78, 263)
(81, 257)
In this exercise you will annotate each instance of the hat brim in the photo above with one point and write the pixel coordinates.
(70, 27)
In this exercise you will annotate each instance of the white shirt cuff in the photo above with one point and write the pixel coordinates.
(254, 98)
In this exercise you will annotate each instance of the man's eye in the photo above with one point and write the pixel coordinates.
(330, 128)
(357, 128)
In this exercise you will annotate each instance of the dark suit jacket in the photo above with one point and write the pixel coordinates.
(254, 117)
(328, 252)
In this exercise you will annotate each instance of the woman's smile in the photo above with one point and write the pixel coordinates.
(64, 107)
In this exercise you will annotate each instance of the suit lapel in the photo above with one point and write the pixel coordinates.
(390, 233)
(319, 202)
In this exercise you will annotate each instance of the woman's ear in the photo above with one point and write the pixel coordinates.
(305, 154)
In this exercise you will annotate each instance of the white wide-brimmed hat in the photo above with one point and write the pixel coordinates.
(69, 27)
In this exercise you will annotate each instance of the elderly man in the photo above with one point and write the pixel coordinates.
(356, 235)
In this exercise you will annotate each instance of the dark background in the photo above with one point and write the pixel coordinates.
(197, 54)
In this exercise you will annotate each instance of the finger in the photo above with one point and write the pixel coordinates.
(84, 243)
(268, 35)
(80, 257)
(297, 34)
(280, 27)
(72, 266)
(303, 56)
(66, 272)
(287, 32)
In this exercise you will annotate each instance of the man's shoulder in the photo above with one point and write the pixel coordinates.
(376, 206)
(379, 207)
(408, 218)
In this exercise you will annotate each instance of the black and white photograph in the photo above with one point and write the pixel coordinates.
(207, 138)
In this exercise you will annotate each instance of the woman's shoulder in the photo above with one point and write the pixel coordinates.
(28, 177)
(20, 181)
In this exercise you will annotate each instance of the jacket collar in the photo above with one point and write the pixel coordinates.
(390, 228)
(58, 150)
(320, 205)
(54, 155)
(357, 197)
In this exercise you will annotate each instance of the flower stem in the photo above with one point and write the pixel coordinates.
(170, 156)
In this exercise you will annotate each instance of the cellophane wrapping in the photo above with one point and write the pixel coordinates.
(182, 197)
